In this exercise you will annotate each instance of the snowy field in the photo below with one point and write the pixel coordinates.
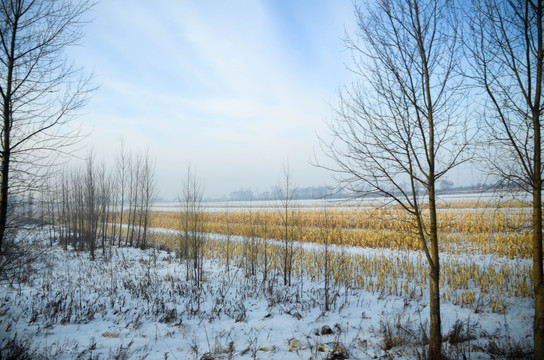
(341, 204)
(134, 304)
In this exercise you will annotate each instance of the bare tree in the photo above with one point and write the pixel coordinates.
(325, 238)
(285, 193)
(254, 244)
(64, 210)
(40, 90)
(265, 252)
(90, 192)
(149, 193)
(228, 239)
(507, 52)
(396, 130)
(121, 168)
(192, 220)
(104, 203)
(134, 165)
(51, 189)
(77, 213)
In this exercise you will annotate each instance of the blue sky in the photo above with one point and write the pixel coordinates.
(234, 87)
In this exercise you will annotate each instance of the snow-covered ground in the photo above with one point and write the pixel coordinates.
(134, 304)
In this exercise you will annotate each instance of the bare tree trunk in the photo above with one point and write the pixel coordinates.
(4, 171)
(538, 272)
(538, 269)
(91, 218)
(228, 241)
(6, 138)
(265, 251)
(435, 340)
(121, 173)
(191, 238)
(149, 192)
(325, 232)
(285, 195)
(65, 221)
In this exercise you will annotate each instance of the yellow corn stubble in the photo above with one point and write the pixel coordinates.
(465, 229)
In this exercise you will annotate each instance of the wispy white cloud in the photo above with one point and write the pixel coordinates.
(234, 86)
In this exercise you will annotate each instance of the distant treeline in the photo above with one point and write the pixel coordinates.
(301, 193)
(321, 192)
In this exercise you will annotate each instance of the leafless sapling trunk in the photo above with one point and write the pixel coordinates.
(90, 222)
(250, 244)
(149, 193)
(285, 195)
(121, 167)
(265, 251)
(78, 216)
(228, 240)
(325, 226)
(104, 204)
(113, 211)
(192, 221)
(133, 195)
(67, 209)
(136, 199)
(63, 211)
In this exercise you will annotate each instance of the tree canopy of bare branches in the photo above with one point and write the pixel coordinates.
(40, 90)
(506, 49)
(399, 128)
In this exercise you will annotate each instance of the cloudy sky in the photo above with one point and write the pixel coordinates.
(235, 87)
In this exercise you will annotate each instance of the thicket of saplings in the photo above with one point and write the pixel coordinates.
(91, 209)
